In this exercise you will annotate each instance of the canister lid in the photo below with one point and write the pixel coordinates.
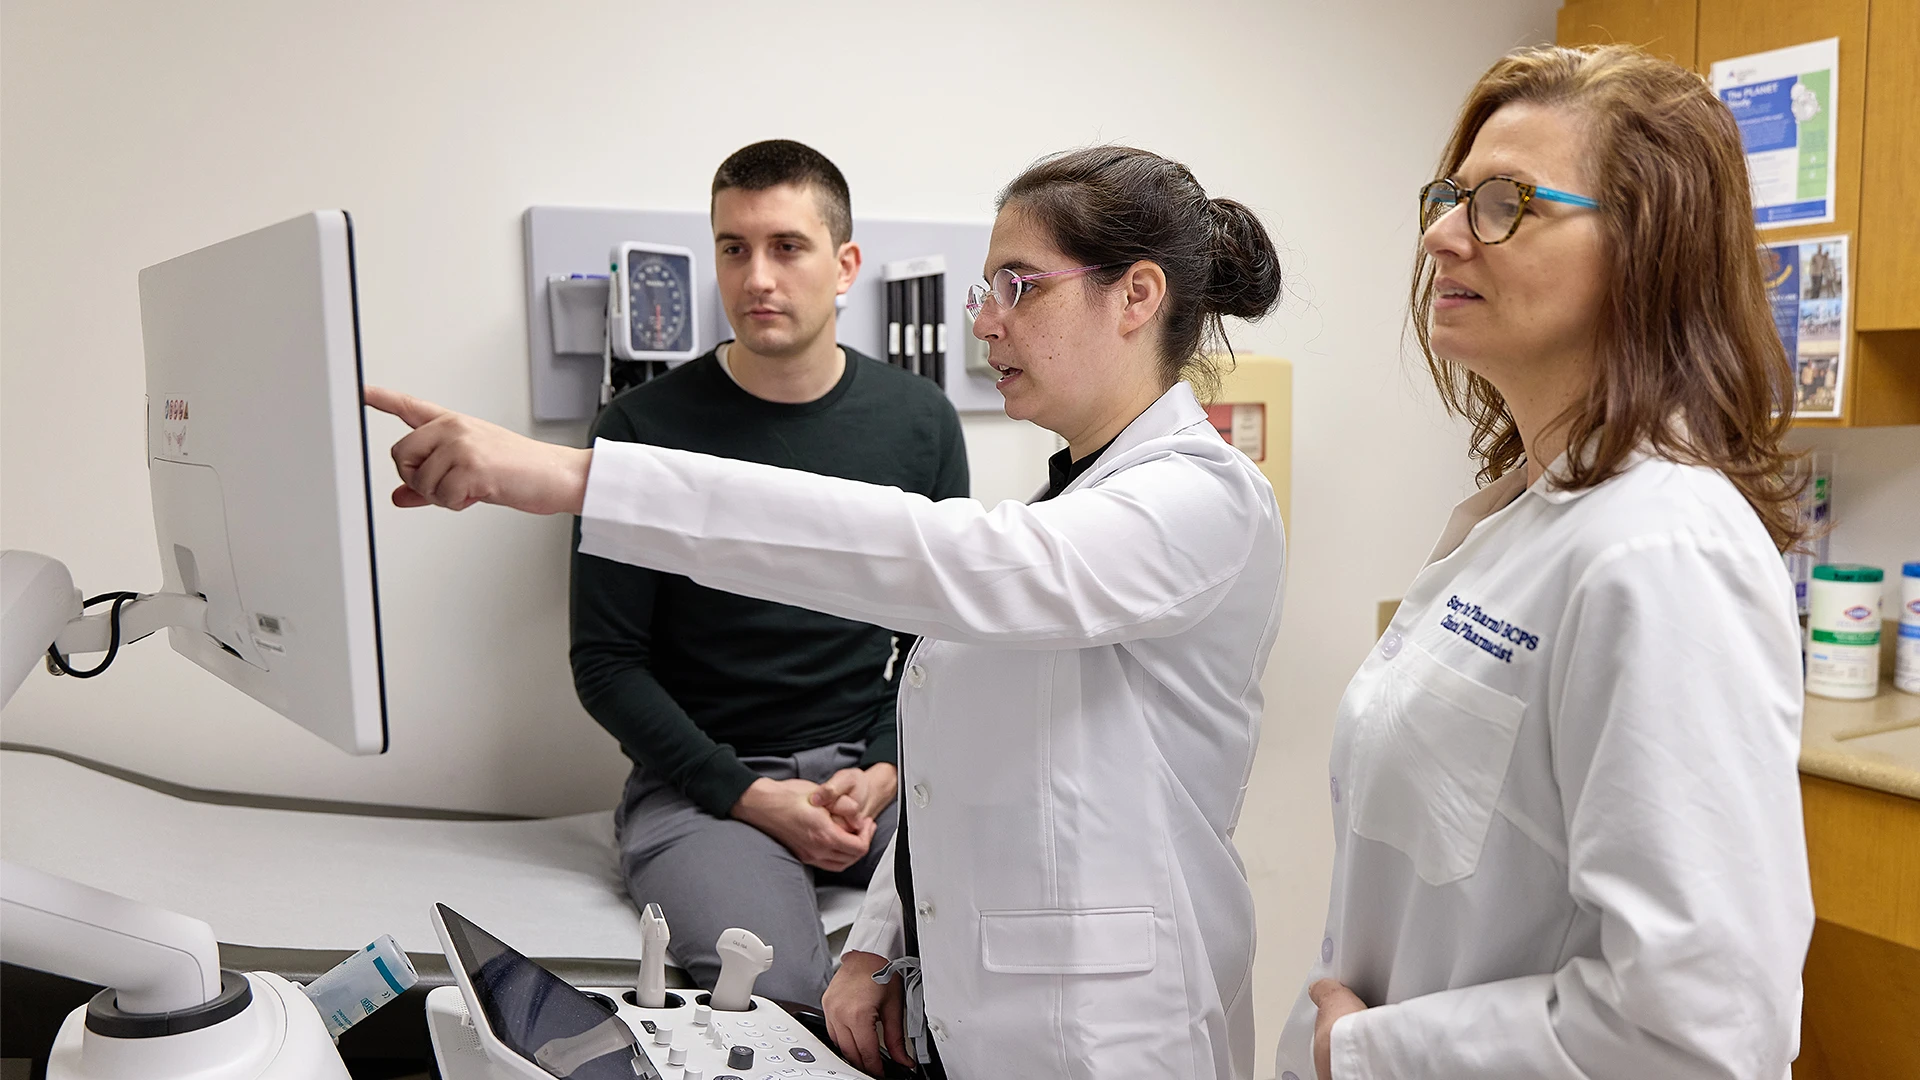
(1911, 569)
(1848, 572)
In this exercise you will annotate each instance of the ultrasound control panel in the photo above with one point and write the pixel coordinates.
(508, 1018)
(685, 1041)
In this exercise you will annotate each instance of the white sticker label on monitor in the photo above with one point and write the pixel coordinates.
(270, 633)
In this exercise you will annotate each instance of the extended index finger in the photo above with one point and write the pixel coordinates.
(408, 408)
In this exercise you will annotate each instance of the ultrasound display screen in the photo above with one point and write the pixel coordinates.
(540, 1016)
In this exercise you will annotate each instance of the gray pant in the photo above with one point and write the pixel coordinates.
(709, 874)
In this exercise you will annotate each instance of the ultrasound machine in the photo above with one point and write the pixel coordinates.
(262, 506)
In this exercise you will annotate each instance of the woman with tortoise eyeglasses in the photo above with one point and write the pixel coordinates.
(1494, 205)
(1567, 819)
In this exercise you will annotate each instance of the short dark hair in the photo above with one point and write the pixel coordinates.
(783, 161)
(1113, 206)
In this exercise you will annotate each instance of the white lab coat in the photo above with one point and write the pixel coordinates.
(1078, 722)
(1565, 800)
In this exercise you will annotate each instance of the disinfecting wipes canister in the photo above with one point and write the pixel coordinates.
(1906, 654)
(356, 986)
(1843, 631)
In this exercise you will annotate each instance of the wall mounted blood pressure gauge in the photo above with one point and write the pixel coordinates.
(653, 311)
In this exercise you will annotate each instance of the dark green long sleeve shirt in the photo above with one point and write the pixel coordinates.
(690, 679)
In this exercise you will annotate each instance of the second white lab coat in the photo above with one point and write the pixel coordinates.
(1566, 807)
(1078, 723)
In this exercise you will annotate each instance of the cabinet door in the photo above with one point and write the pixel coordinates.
(1862, 978)
(1882, 383)
(1730, 28)
(1664, 28)
(1889, 258)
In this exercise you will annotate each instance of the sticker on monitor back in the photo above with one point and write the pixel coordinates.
(173, 428)
(270, 633)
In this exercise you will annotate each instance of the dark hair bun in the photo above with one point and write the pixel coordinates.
(1113, 206)
(1244, 275)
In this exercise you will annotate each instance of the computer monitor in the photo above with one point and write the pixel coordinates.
(257, 450)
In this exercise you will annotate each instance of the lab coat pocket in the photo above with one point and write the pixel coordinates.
(1428, 763)
(1066, 941)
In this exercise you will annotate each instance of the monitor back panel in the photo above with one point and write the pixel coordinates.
(256, 445)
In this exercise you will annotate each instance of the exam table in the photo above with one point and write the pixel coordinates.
(292, 886)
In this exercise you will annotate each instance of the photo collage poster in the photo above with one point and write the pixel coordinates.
(1807, 285)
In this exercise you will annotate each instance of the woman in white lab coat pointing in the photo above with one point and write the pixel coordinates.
(1566, 811)
(1079, 718)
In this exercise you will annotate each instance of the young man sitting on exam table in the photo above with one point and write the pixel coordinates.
(1080, 715)
(735, 710)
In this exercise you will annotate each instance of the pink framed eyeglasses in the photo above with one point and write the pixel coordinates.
(1007, 287)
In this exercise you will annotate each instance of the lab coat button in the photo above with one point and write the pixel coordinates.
(924, 908)
(1334, 783)
(1326, 950)
(1289, 1075)
(916, 676)
(939, 1029)
(1390, 645)
(919, 794)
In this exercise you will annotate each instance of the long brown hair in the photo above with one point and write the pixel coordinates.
(1689, 361)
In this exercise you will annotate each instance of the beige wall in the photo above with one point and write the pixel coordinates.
(133, 132)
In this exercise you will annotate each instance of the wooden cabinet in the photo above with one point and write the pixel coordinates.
(1730, 28)
(1665, 28)
(1862, 979)
(1889, 256)
(1877, 157)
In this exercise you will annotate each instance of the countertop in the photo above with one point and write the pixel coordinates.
(1873, 743)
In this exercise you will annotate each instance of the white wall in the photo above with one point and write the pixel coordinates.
(134, 132)
(1876, 497)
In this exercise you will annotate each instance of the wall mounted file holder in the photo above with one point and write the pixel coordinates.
(577, 309)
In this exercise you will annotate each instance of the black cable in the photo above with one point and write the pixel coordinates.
(113, 635)
(106, 596)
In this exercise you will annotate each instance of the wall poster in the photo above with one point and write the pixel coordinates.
(1784, 102)
(1807, 284)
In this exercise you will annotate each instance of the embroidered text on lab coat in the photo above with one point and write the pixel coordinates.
(1461, 618)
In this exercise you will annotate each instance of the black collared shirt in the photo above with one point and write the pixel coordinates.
(1063, 470)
